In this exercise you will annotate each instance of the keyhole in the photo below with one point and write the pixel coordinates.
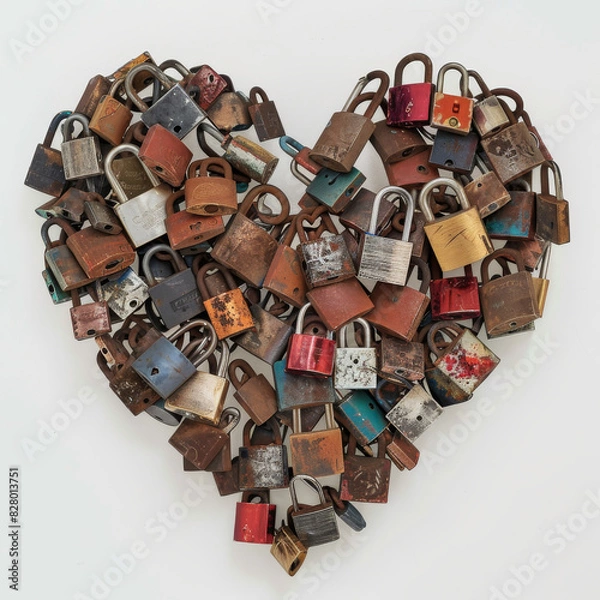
(133, 303)
(177, 128)
(154, 371)
(419, 418)
(449, 163)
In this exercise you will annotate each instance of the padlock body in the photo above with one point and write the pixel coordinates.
(126, 294)
(186, 230)
(444, 390)
(210, 196)
(285, 277)
(335, 190)
(357, 215)
(266, 120)
(46, 173)
(402, 452)
(295, 391)
(288, 550)
(317, 453)
(412, 171)
(198, 442)
(229, 112)
(254, 523)
(326, 260)
(90, 320)
(310, 355)
(210, 84)
(400, 358)
(132, 390)
(365, 479)
(384, 259)
(455, 298)
(454, 152)
(316, 525)
(516, 220)
(110, 120)
(130, 173)
(263, 467)
(249, 158)
(257, 397)
(552, 219)
(394, 144)
(102, 218)
(81, 158)
(414, 413)
(452, 113)
(96, 88)
(361, 415)
(487, 193)
(56, 293)
(66, 268)
(229, 313)
(410, 104)
(489, 116)
(355, 369)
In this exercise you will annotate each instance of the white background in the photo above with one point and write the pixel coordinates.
(481, 502)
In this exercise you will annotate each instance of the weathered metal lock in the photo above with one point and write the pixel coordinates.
(174, 110)
(516, 220)
(226, 481)
(60, 260)
(263, 466)
(366, 478)
(355, 368)
(165, 155)
(508, 302)
(310, 355)
(301, 391)
(111, 117)
(489, 117)
(81, 156)
(223, 462)
(552, 211)
(412, 171)
(254, 518)
(228, 312)
(414, 412)
(330, 188)
(229, 111)
(358, 412)
(246, 248)
(264, 115)
(101, 216)
(454, 152)
(143, 217)
(288, 550)
(401, 451)
(347, 133)
(486, 192)
(126, 294)
(242, 154)
(457, 239)
(450, 112)
(541, 283)
(386, 259)
(56, 293)
(97, 87)
(210, 195)
(455, 298)
(318, 453)
(187, 230)
(357, 215)
(417, 230)
(253, 392)
(314, 525)
(399, 309)
(400, 358)
(531, 251)
(140, 81)
(410, 103)
(46, 173)
(345, 510)
(467, 361)
(70, 205)
(204, 85)
(536, 136)
(325, 259)
(92, 319)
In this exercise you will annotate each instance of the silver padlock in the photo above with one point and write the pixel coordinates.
(355, 368)
(81, 156)
(386, 259)
(126, 294)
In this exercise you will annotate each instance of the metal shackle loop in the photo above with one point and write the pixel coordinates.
(425, 195)
(401, 193)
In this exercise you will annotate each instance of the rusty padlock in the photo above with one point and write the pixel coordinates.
(264, 115)
(207, 194)
(112, 117)
(253, 392)
(552, 210)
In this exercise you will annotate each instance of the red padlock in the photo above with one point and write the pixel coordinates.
(254, 521)
(310, 355)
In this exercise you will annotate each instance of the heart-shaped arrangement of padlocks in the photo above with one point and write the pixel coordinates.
(170, 273)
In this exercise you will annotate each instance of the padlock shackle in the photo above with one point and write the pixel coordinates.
(245, 368)
(414, 57)
(343, 336)
(257, 92)
(485, 90)
(545, 169)
(174, 199)
(362, 83)
(545, 265)
(301, 177)
(311, 482)
(62, 223)
(300, 321)
(445, 327)
(289, 145)
(250, 424)
(230, 417)
(515, 114)
(210, 266)
(464, 79)
(513, 256)
(53, 127)
(132, 94)
(69, 129)
(172, 63)
(200, 168)
(427, 189)
(367, 97)
(404, 195)
(179, 263)
(256, 193)
(319, 212)
(423, 267)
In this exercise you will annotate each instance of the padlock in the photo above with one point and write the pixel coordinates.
(318, 453)
(254, 518)
(70, 205)
(531, 251)
(450, 112)
(112, 117)
(457, 239)
(512, 152)
(310, 354)
(509, 302)
(228, 312)
(226, 481)
(253, 392)
(417, 230)
(176, 298)
(414, 412)
(229, 111)
(357, 215)
(347, 133)
(285, 277)
(344, 509)
(263, 466)
(301, 391)
(208, 195)
(97, 87)
(325, 259)
(399, 309)
(223, 462)
(358, 412)
(92, 319)
(536, 136)
(355, 368)
(486, 192)
(412, 171)
(264, 115)
(202, 397)
(454, 152)
(401, 451)
(140, 80)
(143, 217)
(60, 260)
(46, 173)
(299, 154)
(314, 525)
(204, 85)
(552, 211)
(410, 103)
(516, 220)
(126, 294)
(246, 248)
(541, 283)
(467, 360)
(174, 110)
(288, 550)
(329, 188)
(101, 216)
(242, 154)
(56, 293)
(489, 116)
(366, 478)
(165, 155)
(187, 230)
(386, 259)
(400, 358)
(81, 156)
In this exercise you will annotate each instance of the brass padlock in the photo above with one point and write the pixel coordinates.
(288, 550)
(207, 194)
